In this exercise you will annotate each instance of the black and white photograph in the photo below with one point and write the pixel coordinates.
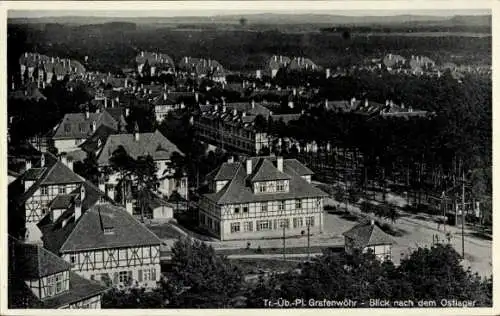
(248, 155)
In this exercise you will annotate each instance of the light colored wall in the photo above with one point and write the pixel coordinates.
(67, 145)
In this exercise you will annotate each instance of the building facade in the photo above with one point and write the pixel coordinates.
(261, 197)
(369, 237)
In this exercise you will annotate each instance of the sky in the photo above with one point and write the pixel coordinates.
(212, 8)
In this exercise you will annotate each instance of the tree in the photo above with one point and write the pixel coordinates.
(147, 181)
(121, 162)
(200, 278)
(88, 168)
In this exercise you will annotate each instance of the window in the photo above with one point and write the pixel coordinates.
(92, 277)
(281, 206)
(284, 223)
(263, 207)
(263, 225)
(298, 204)
(236, 210)
(310, 221)
(248, 226)
(280, 186)
(72, 259)
(262, 187)
(124, 276)
(235, 227)
(298, 222)
(59, 283)
(67, 128)
(61, 189)
(245, 209)
(44, 190)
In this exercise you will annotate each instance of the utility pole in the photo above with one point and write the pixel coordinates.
(308, 241)
(284, 244)
(463, 214)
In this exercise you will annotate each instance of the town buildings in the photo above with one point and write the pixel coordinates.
(154, 64)
(261, 197)
(40, 279)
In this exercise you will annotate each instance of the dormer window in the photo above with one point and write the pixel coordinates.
(44, 190)
(280, 186)
(108, 231)
(262, 187)
(61, 189)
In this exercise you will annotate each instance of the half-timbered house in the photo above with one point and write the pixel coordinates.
(261, 197)
(105, 243)
(31, 194)
(40, 279)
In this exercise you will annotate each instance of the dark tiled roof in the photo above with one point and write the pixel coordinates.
(285, 117)
(224, 172)
(54, 172)
(62, 201)
(368, 235)
(116, 113)
(299, 168)
(102, 133)
(33, 262)
(76, 125)
(88, 233)
(256, 109)
(33, 173)
(154, 144)
(265, 171)
(154, 59)
(79, 290)
(239, 191)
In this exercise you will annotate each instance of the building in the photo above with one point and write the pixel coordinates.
(31, 194)
(302, 64)
(261, 197)
(40, 279)
(43, 69)
(230, 130)
(201, 68)
(276, 63)
(75, 128)
(156, 63)
(105, 243)
(369, 237)
(143, 144)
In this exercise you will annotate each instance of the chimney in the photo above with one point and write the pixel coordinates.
(94, 126)
(196, 97)
(105, 102)
(165, 96)
(142, 54)
(207, 102)
(42, 161)
(372, 222)
(253, 104)
(102, 184)
(223, 109)
(127, 112)
(182, 105)
(112, 103)
(87, 113)
(69, 163)
(281, 59)
(353, 100)
(136, 132)
(63, 159)
(366, 103)
(230, 159)
(290, 104)
(28, 165)
(216, 108)
(126, 83)
(327, 74)
(294, 91)
(249, 166)
(326, 103)
(78, 207)
(279, 163)
(235, 112)
(186, 59)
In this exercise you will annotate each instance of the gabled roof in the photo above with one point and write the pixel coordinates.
(102, 133)
(366, 234)
(265, 171)
(62, 201)
(34, 262)
(223, 172)
(76, 125)
(238, 189)
(54, 172)
(88, 232)
(154, 144)
(154, 59)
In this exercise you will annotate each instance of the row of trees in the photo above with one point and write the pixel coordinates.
(199, 278)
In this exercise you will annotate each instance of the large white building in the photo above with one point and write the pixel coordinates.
(261, 197)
